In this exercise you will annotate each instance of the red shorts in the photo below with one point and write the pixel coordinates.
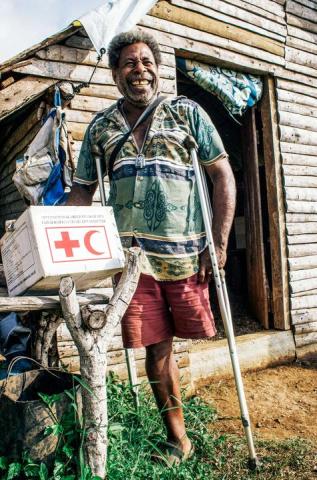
(161, 310)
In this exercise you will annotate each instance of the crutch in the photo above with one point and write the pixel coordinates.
(129, 354)
(222, 294)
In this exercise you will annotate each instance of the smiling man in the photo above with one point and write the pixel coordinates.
(156, 205)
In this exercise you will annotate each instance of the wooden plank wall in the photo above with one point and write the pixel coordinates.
(297, 116)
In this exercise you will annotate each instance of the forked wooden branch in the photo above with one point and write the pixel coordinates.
(92, 331)
(48, 324)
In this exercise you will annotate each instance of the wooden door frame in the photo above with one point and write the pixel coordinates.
(276, 207)
(280, 300)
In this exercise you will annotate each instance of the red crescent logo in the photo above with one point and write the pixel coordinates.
(87, 242)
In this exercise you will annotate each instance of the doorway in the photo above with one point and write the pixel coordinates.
(248, 268)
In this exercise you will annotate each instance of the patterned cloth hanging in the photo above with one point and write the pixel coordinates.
(237, 91)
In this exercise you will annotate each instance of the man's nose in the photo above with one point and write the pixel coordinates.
(139, 67)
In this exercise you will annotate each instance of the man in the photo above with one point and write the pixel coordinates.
(155, 201)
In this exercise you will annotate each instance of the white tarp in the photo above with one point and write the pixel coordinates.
(113, 17)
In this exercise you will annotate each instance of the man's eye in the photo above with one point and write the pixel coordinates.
(130, 64)
(147, 62)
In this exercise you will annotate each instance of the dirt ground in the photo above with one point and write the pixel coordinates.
(282, 402)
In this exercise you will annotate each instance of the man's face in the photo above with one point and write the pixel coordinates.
(137, 74)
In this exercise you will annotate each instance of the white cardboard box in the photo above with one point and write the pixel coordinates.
(49, 242)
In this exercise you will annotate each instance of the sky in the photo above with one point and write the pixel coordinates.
(24, 23)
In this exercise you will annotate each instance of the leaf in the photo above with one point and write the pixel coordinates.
(68, 450)
(14, 470)
(55, 429)
(3, 463)
(84, 385)
(58, 469)
(43, 472)
(49, 399)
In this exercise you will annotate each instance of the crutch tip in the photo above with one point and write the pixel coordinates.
(254, 463)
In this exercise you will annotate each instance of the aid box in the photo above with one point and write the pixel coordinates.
(47, 243)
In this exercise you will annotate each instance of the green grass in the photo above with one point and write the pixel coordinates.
(134, 435)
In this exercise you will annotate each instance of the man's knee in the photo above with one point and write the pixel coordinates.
(159, 351)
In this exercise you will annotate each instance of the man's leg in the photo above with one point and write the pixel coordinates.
(162, 369)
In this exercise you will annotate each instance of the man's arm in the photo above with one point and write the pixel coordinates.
(224, 202)
(81, 195)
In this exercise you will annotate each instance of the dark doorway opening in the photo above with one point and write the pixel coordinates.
(248, 262)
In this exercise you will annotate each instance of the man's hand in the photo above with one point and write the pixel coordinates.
(205, 269)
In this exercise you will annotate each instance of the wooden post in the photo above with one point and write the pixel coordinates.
(92, 329)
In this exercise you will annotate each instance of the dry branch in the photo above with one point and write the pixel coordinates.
(92, 337)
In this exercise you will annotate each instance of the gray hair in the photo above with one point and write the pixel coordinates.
(128, 38)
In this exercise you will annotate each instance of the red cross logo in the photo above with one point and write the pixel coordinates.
(67, 244)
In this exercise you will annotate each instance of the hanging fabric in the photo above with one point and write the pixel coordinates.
(237, 91)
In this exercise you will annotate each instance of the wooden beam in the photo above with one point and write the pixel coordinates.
(22, 304)
(203, 23)
(21, 93)
(275, 200)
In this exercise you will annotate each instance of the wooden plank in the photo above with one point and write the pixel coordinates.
(298, 135)
(306, 353)
(307, 301)
(229, 14)
(300, 217)
(301, 23)
(65, 54)
(296, 97)
(305, 315)
(19, 133)
(308, 3)
(302, 239)
(300, 228)
(287, 147)
(296, 108)
(79, 116)
(302, 250)
(214, 55)
(303, 170)
(257, 279)
(48, 302)
(217, 41)
(275, 199)
(306, 35)
(295, 76)
(90, 104)
(294, 193)
(199, 20)
(301, 44)
(303, 285)
(301, 207)
(304, 293)
(303, 274)
(298, 121)
(77, 130)
(266, 6)
(21, 93)
(302, 263)
(74, 72)
(246, 11)
(305, 339)
(292, 86)
(101, 91)
(298, 181)
(79, 41)
(296, 159)
(301, 11)
(301, 68)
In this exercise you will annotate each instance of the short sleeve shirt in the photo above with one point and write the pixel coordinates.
(155, 201)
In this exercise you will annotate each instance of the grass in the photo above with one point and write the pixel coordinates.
(134, 435)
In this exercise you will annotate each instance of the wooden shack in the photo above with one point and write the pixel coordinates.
(273, 246)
